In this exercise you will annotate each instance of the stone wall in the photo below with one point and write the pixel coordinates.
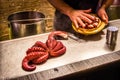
(8, 7)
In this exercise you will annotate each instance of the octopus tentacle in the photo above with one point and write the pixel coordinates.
(41, 59)
(59, 52)
(34, 49)
(26, 61)
(26, 66)
(51, 43)
(40, 44)
(58, 46)
(54, 44)
(31, 56)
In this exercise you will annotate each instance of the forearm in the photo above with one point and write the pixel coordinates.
(106, 3)
(61, 6)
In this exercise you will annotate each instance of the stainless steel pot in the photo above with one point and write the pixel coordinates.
(26, 23)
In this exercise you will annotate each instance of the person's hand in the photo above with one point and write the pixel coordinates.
(103, 15)
(78, 17)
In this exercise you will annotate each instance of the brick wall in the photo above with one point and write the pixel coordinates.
(8, 7)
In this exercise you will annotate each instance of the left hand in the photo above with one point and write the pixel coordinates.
(103, 15)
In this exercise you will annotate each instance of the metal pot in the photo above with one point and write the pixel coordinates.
(26, 23)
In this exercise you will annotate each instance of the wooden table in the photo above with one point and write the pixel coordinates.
(90, 57)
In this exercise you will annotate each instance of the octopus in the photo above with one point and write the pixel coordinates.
(40, 52)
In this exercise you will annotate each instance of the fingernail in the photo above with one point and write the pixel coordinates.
(90, 21)
(104, 18)
(77, 27)
(83, 25)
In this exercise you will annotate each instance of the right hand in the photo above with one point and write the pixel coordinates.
(78, 17)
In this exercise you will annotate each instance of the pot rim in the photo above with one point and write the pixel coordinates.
(37, 19)
(24, 15)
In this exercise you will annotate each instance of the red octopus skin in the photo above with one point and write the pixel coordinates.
(56, 47)
(51, 43)
(40, 44)
(41, 59)
(37, 54)
(40, 51)
(59, 52)
(26, 66)
(34, 49)
(32, 56)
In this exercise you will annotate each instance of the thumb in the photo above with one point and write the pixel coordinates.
(104, 18)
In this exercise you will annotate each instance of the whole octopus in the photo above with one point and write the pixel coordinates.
(40, 52)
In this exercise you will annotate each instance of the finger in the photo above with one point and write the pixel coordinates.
(105, 18)
(84, 18)
(80, 22)
(76, 24)
(89, 16)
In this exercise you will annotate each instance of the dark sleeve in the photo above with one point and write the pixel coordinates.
(83, 4)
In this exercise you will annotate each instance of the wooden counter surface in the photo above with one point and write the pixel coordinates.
(80, 66)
